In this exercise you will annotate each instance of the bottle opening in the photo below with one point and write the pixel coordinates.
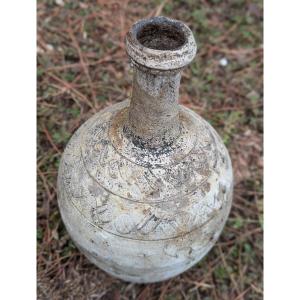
(161, 36)
(161, 43)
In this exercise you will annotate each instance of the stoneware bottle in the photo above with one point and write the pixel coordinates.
(145, 186)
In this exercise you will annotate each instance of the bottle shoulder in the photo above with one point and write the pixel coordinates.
(137, 192)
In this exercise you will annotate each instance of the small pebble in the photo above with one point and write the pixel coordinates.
(49, 47)
(60, 2)
(223, 62)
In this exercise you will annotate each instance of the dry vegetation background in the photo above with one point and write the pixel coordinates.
(83, 67)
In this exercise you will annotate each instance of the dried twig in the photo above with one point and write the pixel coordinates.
(83, 64)
(49, 138)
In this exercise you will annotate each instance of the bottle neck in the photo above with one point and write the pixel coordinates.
(153, 119)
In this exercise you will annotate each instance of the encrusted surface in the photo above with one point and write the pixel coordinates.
(175, 199)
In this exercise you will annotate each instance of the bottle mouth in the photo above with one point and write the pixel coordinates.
(161, 43)
(161, 36)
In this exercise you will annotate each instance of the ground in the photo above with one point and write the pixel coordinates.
(83, 67)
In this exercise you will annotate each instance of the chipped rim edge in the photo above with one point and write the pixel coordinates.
(160, 59)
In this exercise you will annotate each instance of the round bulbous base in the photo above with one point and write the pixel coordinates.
(143, 214)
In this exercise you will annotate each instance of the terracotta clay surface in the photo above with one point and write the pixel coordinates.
(145, 186)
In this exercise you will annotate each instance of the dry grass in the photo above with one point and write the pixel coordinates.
(82, 68)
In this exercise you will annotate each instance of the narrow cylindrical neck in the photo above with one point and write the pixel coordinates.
(153, 119)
